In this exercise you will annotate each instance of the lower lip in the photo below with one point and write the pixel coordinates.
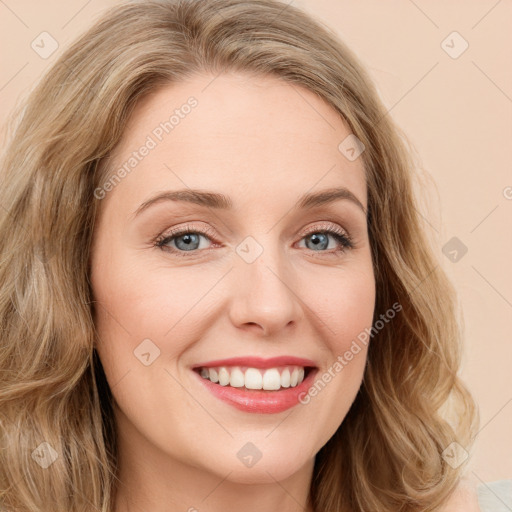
(261, 402)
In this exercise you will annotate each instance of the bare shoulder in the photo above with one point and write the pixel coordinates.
(463, 499)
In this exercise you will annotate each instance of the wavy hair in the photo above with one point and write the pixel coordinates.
(387, 453)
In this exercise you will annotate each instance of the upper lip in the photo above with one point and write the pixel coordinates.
(258, 362)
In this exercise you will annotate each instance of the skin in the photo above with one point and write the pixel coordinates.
(263, 143)
(465, 497)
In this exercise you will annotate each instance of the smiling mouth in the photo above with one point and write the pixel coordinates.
(255, 379)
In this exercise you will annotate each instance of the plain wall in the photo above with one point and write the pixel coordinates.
(457, 112)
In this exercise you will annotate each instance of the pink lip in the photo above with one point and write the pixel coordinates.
(259, 401)
(258, 362)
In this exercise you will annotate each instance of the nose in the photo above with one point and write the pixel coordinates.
(264, 297)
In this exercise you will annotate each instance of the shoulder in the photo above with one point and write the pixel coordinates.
(463, 499)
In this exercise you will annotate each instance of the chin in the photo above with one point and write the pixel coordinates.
(274, 465)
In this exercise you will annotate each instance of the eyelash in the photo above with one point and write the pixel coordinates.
(339, 235)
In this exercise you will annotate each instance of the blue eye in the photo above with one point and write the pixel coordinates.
(320, 239)
(187, 240)
(183, 240)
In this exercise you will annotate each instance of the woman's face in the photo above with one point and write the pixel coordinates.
(256, 272)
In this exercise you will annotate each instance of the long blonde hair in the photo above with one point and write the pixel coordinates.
(387, 455)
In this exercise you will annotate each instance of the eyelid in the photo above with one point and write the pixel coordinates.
(323, 226)
(341, 235)
(206, 232)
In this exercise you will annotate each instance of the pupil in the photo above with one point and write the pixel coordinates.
(186, 240)
(317, 241)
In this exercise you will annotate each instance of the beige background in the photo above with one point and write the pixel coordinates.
(457, 112)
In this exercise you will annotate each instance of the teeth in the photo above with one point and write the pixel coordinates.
(237, 378)
(270, 379)
(285, 378)
(214, 376)
(253, 379)
(294, 378)
(223, 377)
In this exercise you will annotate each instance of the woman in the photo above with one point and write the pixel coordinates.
(176, 186)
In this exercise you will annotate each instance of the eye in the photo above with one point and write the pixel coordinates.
(319, 239)
(188, 240)
(184, 239)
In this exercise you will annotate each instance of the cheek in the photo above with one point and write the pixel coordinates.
(143, 322)
(139, 302)
(344, 302)
(344, 306)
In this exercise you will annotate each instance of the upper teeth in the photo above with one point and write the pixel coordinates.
(254, 378)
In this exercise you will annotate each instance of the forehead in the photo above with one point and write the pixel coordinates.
(255, 138)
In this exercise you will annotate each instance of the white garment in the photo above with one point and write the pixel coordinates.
(495, 496)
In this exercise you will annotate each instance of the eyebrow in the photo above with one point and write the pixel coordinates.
(220, 201)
